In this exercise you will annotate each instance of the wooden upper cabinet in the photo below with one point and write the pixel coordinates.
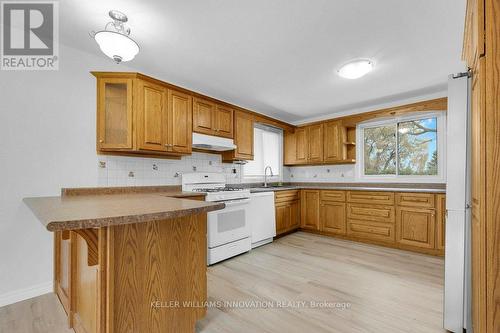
(290, 148)
(310, 209)
(180, 122)
(212, 119)
(333, 146)
(203, 116)
(224, 121)
(301, 146)
(315, 143)
(474, 34)
(137, 114)
(152, 119)
(243, 138)
(114, 113)
(243, 127)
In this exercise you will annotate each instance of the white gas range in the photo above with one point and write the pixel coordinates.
(228, 230)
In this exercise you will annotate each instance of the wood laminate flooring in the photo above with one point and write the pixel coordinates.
(388, 290)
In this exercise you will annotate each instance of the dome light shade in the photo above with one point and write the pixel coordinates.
(117, 46)
(114, 40)
(356, 69)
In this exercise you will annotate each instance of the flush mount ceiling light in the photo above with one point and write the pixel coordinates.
(114, 40)
(356, 69)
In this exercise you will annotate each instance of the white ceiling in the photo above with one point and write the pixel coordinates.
(280, 57)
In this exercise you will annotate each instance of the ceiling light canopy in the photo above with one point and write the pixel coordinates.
(114, 40)
(356, 69)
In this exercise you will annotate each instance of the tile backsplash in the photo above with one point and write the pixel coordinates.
(322, 173)
(137, 171)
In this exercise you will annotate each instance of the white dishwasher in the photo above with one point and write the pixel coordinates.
(261, 217)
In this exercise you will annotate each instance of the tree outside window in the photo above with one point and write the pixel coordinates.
(406, 148)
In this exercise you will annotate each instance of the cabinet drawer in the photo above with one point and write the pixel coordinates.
(376, 198)
(374, 213)
(423, 200)
(371, 230)
(285, 196)
(333, 196)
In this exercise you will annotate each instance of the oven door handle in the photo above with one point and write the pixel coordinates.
(232, 203)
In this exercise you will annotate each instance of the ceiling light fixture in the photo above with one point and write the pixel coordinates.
(114, 40)
(356, 69)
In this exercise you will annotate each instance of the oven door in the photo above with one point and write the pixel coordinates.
(229, 224)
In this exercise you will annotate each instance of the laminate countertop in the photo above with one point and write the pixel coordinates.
(95, 211)
(349, 187)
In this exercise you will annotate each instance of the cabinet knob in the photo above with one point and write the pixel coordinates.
(101, 141)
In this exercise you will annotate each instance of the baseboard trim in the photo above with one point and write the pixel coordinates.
(26, 293)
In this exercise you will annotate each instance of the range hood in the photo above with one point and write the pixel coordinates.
(210, 142)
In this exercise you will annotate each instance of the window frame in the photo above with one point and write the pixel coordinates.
(260, 178)
(441, 149)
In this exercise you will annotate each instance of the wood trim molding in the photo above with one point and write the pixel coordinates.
(438, 104)
(91, 238)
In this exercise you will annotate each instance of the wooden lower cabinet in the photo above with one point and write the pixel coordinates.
(416, 227)
(287, 217)
(287, 205)
(410, 221)
(309, 209)
(332, 217)
(440, 221)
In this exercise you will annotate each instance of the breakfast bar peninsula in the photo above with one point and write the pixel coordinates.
(128, 262)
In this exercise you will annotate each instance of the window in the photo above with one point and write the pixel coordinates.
(403, 148)
(267, 150)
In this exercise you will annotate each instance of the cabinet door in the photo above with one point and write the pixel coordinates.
(290, 148)
(294, 222)
(114, 114)
(333, 142)
(310, 209)
(333, 217)
(224, 121)
(243, 135)
(180, 126)
(282, 218)
(315, 143)
(151, 106)
(440, 221)
(416, 227)
(203, 116)
(301, 146)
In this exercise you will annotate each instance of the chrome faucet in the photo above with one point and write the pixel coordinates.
(265, 174)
